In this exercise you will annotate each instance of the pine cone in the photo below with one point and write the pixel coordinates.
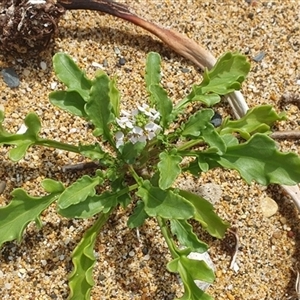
(26, 26)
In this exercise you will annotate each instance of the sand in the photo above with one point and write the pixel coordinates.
(128, 267)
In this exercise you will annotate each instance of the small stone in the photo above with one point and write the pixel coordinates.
(211, 192)
(268, 207)
(122, 61)
(105, 63)
(43, 262)
(10, 77)
(185, 70)
(277, 234)
(282, 220)
(259, 57)
(117, 51)
(218, 274)
(53, 85)
(230, 297)
(2, 186)
(22, 129)
(43, 65)
(26, 72)
(97, 65)
(216, 120)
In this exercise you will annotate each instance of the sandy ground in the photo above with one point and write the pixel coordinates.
(126, 267)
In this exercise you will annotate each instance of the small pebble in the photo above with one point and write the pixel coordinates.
(10, 77)
(22, 129)
(230, 297)
(277, 234)
(122, 61)
(2, 186)
(117, 51)
(211, 192)
(43, 262)
(53, 85)
(282, 220)
(216, 120)
(97, 65)
(43, 65)
(268, 207)
(26, 72)
(218, 274)
(185, 70)
(259, 57)
(105, 63)
(131, 253)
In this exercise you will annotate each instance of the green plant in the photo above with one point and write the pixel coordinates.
(148, 149)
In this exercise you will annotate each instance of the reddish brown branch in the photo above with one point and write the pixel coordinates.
(178, 42)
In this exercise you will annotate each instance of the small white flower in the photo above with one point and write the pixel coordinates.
(148, 111)
(151, 135)
(133, 139)
(152, 127)
(119, 138)
(137, 130)
(124, 122)
(143, 108)
(142, 138)
(125, 113)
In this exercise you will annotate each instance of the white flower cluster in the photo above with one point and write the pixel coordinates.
(138, 126)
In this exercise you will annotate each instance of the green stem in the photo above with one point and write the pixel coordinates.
(135, 175)
(166, 233)
(102, 220)
(189, 144)
(57, 145)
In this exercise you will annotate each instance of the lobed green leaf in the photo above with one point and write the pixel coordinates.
(227, 75)
(52, 186)
(83, 258)
(69, 73)
(186, 236)
(152, 74)
(91, 206)
(98, 107)
(169, 169)
(22, 210)
(21, 141)
(258, 119)
(138, 216)
(70, 101)
(205, 215)
(190, 270)
(164, 203)
(162, 103)
(199, 125)
(78, 191)
(258, 159)
(114, 96)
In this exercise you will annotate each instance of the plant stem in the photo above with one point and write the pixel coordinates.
(166, 233)
(102, 220)
(189, 144)
(57, 145)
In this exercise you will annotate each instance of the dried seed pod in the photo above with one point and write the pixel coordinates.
(26, 26)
